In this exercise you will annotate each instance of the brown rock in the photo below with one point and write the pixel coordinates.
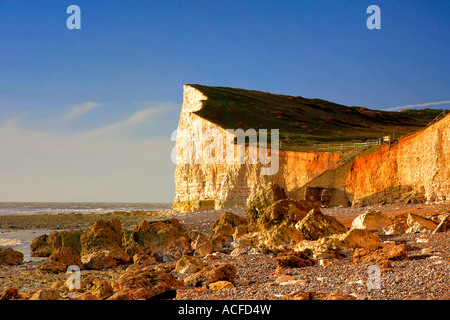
(188, 264)
(212, 273)
(45, 294)
(163, 237)
(204, 249)
(104, 259)
(102, 289)
(317, 225)
(311, 295)
(60, 260)
(220, 285)
(103, 235)
(419, 224)
(146, 283)
(371, 220)
(359, 238)
(285, 211)
(10, 294)
(294, 260)
(387, 252)
(280, 239)
(9, 256)
(260, 201)
(444, 225)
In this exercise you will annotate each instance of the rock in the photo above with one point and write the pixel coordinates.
(385, 264)
(247, 240)
(285, 211)
(444, 225)
(238, 252)
(284, 278)
(419, 224)
(10, 294)
(371, 220)
(396, 228)
(146, 283)
(59, 260)
(280, 239)
(188, 264)
(221, 285)
(40, 246)
(228, 221)
(317, 225)
(44, 245)
(105, 258)
(212, 273)
(360, 238)
(260, 201)
(294, 260)
(103, 235)
(10, 257)
(102, 289)
(166, 237)
(387, 252)
(324, 248)
(45, 294)
(204, 249)
(311, 295)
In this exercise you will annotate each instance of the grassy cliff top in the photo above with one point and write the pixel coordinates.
(304, 121)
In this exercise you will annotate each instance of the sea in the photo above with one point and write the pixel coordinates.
(20, 239)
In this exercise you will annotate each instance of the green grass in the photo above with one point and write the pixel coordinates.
(303, 122)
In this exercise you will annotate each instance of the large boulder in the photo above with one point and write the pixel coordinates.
(105, 258)
(225, 227)
(371, 220)
(417, 223)
(146, 283)
(45, 294)
(358, 238)
(59, 260)
(285, 211)
(44, 245)
(260, 201)
(211, 274)
(103, 235)
(316, 225)
(166, 237)
(324, 248)
(188, 264)
(444, 225)
(280, 239)
(102, 247)
(9, 256)
(294, 260)
(389, 251)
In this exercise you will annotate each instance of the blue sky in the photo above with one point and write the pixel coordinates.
(86, 115)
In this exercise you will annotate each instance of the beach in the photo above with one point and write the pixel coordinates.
(424, 275)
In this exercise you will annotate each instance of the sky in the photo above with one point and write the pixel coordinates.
(87, 114)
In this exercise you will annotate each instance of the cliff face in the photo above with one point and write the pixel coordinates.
(421, 160)
(203, 185)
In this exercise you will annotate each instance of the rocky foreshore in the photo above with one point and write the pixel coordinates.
(276, 248)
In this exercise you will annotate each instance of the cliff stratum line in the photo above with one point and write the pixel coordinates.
(329, 153)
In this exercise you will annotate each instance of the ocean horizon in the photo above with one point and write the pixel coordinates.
(32, 208)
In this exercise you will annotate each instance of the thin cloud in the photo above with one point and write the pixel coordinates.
(110, 163)
(410, 106)
(80, 109)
